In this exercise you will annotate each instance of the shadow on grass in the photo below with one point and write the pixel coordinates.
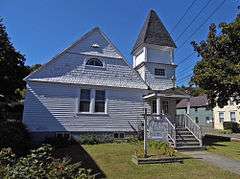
(212, 139)
(78, 154)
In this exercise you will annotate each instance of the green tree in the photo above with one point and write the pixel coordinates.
(12, 68)
(35, 67)
(218, 72)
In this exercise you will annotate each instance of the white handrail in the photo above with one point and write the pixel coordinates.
(193, 121)
(196, 132)
(169, 121)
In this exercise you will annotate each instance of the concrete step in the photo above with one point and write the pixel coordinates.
(188, 144)
(184, 135)
(190, 148)
(183, 132)
(181, 129)
(186, 140)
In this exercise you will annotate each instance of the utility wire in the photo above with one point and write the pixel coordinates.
(193, 20)
(185, 13)
(184, 78)
(183, 60)
(202, 24)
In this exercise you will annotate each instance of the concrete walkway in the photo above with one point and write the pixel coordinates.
(217, 160)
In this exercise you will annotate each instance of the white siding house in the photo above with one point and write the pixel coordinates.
(90, 87)
(53, 99)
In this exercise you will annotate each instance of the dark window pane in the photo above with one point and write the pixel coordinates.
(233, 116)
(99, 106)
(115, 135)
(196, 119)
(165, 107)
(84, 106)
(100, 95)
(121, 135)
(154, 106)
(66, 136)
(159, 72)
(85, 94)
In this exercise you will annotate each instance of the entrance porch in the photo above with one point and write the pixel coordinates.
(179, 130)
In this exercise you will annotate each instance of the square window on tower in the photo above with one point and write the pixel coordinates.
(159, 72)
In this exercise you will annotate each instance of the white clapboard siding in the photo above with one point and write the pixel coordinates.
(52, 107)
(159, 83)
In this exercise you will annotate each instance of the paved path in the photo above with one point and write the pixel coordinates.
(217, 160)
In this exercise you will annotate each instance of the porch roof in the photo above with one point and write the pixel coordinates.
(168, 93)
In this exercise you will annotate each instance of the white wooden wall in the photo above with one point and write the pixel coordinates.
(158, 82)
(53, 107)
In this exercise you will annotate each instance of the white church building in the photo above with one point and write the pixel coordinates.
(90, 88)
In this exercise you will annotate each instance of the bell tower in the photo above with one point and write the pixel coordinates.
(153, 54)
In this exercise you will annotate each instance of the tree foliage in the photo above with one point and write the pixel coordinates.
(193, 91)
(218, 72)
(15, 136)
(12, 68)
(40, 164)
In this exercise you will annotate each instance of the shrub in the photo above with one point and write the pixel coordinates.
(94, 139)
(40, 164)
(233, 126)
(59, 142)
(139, 151)
(7, 157)
(162, 148)
(15, 136)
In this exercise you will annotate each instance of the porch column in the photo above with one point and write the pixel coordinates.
(188, 106)
(158, 101)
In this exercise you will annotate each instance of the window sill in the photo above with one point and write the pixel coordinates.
(160, 77)
(91, 114)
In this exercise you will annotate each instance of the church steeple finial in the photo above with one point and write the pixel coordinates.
(154, 32)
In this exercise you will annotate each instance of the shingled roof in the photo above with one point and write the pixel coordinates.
(197, 101)
(154, 32)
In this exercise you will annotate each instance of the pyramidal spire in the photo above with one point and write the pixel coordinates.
(154, 32)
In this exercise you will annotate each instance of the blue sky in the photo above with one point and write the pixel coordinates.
(41, 29)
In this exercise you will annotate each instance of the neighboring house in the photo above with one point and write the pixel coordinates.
(199, 110)
(90, 88)
(230, 112)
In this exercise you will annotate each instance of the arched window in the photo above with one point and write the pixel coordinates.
(94, 62)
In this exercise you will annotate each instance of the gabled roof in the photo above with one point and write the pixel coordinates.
(197, 101)
(154, 32)
(69, 66)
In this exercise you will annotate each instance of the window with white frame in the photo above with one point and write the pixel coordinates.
(100, 101)
(221, 117)
(233, 116)
(92, 101)
(94, 62)
(85, 99)
(159, 72)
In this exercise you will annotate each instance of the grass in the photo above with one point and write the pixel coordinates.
(114, 160)
(228, 149)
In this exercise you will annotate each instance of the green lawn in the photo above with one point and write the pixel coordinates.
(228, 149)
(114, 160)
